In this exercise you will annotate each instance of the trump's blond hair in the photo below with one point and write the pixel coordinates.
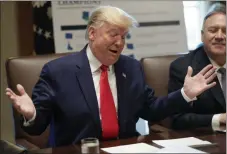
(112, 15)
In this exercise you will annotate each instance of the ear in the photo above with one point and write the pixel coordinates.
(202, 35)
(91, 33)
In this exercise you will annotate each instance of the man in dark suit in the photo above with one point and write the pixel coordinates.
(98, 92)
(209, 108)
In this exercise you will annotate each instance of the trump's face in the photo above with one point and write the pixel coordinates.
(107, 42)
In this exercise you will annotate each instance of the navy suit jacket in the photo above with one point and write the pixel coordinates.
(207, 104)
(65, 98)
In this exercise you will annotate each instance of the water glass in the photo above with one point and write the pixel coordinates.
(90, 145)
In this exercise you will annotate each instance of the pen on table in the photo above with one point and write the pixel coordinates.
(203, 145)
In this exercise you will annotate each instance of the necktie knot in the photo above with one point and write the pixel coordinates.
(104, 68)
(222, 70)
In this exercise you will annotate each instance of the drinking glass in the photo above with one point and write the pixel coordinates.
(90, 145)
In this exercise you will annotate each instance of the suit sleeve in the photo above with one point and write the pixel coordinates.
(188, 119)
(43, 97)
(158, 108)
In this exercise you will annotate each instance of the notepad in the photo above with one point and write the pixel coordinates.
(132, 148)
(188, 141)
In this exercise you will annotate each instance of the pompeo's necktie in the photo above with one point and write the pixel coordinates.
(223, 79)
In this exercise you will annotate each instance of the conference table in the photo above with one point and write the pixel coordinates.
(155, 134)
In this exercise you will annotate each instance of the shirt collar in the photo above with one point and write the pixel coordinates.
(215, 64)
(95, 64)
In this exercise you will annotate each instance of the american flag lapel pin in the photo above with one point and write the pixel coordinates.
(124, 75)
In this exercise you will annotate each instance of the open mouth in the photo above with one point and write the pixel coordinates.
(113, 51)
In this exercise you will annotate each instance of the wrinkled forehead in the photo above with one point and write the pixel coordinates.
(114, 28)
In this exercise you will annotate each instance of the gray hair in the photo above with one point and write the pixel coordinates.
(215, 8)
(112, 15)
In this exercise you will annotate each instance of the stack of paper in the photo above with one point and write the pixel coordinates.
(188, 141)
(145, 148)
(132, 148)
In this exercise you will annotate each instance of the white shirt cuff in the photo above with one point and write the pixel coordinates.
(28, 122)
(215, 122)
(186, 97)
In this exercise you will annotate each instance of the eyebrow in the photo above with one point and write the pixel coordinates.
(112, 29)
(116, 30)
(216, 26)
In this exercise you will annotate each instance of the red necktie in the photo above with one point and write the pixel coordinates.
(109, 120)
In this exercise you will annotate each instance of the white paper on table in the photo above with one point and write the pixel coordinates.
(188, 141)
(182, 149)
(132, 148)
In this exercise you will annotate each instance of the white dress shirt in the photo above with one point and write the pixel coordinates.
(96, 72)
(215, 119)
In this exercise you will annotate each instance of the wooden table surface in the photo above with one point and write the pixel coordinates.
(201, 133)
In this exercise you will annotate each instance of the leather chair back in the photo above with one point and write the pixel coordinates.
(26, 71)
(156, 72)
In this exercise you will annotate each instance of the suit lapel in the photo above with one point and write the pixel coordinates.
(85, 81)
(201, 61)
(121, 81)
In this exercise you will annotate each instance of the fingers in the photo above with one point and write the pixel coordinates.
(211, 78)
(12, 97)
(10, 92)
(210, 72)
(190, 71)
(210, 85)
(206, 69)
(21, 90)
(16, 100)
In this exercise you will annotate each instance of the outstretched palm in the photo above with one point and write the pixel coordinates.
(22, 103)
(194, 86)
